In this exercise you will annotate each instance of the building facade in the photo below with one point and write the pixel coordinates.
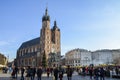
(30, 53)
(82, 57)
(3, 60)
(102, 57)
(78, 57)
(116, 56)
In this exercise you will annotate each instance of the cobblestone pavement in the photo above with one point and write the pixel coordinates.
(44, 77)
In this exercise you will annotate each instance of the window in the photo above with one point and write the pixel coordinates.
(47, 37)
(26, 50)
(31, 49)
(75, 61)
(35, 49)
(48, 41)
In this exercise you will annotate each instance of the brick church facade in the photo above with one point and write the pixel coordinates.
(30, 53)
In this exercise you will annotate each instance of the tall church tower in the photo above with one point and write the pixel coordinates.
(45, 35)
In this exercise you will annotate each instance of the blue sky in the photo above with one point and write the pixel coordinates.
(88, 24)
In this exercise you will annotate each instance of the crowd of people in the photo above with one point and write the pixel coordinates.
(95, 72)
(98, 72)
(29, 73)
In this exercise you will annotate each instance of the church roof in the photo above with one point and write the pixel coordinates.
(30, 43)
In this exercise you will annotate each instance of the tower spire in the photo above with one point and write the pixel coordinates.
(55, 24)
(46, 12)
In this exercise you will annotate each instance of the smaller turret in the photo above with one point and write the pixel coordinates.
(55, 26)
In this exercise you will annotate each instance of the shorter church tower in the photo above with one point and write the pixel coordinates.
(56, 39)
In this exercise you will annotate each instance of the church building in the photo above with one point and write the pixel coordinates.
(30, 53)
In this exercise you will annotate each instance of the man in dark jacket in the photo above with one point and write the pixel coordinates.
(91, 72)
(39, 73)
(33, 71)
(102, 74)
(16, 72)
(69, 72)
(96, 73)
(56, 73)
(28, 73)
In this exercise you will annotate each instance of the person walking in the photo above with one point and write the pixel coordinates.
(13, 73)
(39, 73)
(69, 72)
(83, 71)
(56, 73)
(102, 74)
(33, 71)
(28, 71)
(61, 72)
(117, 71)
(16, 72)
(51, 71)
(22, 73)
(91, 72)
(96, 73)
(48, 72)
